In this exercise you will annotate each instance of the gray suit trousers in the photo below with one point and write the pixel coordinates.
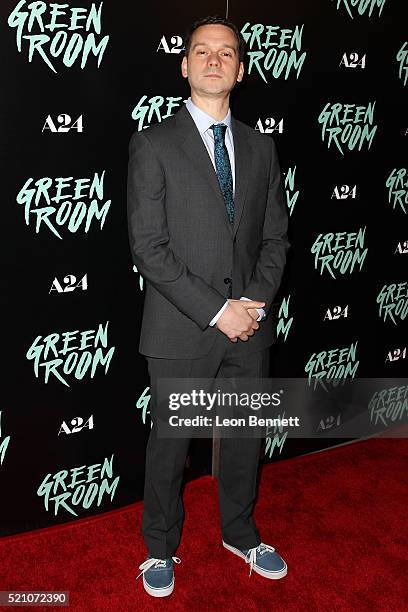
(163, 512)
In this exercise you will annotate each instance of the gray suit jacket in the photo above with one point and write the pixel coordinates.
(182, 243)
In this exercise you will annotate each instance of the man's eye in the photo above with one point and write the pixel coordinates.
(227, 53)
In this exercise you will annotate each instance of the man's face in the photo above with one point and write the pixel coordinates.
(212, 66)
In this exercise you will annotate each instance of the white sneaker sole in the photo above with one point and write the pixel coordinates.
(158, 592)
(273, 575)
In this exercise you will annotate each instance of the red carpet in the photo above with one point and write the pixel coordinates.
(337, 517)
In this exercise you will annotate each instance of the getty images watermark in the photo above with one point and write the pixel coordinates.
(249, 407)
(224, 399)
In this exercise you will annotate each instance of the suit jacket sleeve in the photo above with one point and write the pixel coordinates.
(267, 274)
(149, 238)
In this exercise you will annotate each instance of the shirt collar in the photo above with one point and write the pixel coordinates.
(202, 120)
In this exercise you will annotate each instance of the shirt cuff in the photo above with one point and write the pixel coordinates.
(217, 316)
(260, 311)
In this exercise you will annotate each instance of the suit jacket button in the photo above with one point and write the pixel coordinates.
(227, 280)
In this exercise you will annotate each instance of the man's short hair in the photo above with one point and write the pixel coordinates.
(215, 21)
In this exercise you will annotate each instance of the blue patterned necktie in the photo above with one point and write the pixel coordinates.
(223, 166)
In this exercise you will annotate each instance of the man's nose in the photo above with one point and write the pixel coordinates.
(213, 60)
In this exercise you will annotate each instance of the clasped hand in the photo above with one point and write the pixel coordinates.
(239, 319)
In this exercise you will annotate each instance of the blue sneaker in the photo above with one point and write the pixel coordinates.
(158, 576)
(262, 559)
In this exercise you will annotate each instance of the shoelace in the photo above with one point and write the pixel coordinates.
(250, 557)
(149, 563)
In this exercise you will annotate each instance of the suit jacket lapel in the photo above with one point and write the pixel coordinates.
(191, 142)
(242, 170)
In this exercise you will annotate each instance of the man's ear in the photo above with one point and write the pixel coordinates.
(240, 74)
(184, 64)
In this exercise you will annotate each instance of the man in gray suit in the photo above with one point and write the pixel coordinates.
(207, 229)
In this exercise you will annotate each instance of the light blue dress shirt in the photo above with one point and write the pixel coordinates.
(204, 122)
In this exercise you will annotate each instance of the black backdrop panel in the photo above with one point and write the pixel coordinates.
(75, 417)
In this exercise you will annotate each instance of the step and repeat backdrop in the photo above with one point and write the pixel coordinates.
(328, 80)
